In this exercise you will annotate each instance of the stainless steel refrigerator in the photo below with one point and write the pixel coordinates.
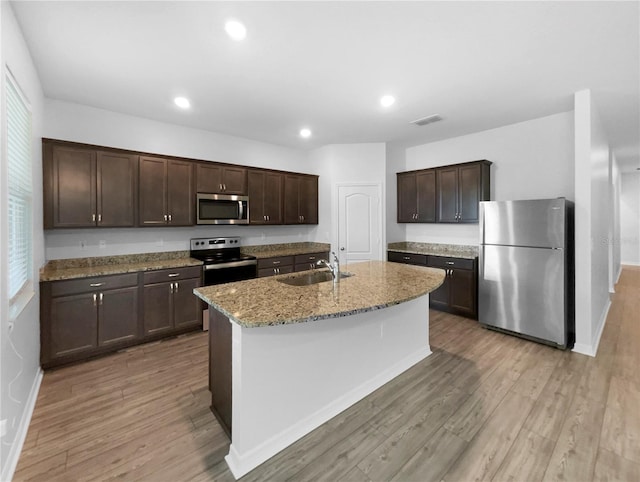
(525, 280)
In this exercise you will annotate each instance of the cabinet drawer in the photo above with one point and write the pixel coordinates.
(407, 258)
(275, 262)
(98, 283)
(165, 275)
(448, 262)
(274, 271)
(305, 259)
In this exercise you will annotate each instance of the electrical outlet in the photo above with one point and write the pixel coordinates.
(102, 244)
(3, 427)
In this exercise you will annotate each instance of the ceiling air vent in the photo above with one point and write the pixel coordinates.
(427, 120)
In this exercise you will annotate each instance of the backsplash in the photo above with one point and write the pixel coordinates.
(87, 243)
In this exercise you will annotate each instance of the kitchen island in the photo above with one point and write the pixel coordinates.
(285, 359)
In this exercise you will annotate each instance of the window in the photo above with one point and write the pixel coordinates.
(19, 190)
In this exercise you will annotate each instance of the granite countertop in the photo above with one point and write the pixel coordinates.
(63, 269)
(434, 249)
(374, 285)
(285, 249)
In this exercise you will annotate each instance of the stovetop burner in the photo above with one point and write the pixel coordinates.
(218, 250)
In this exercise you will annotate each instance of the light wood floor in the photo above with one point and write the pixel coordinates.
(484, 406)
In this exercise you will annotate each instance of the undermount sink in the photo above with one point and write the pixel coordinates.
(312, 278)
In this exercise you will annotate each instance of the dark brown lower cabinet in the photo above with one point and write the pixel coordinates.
(459, 292)
(289, 264)
(117, 316)
(81, 318)
(220, 373)
(171, 305)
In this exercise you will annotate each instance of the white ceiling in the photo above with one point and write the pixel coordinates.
(325, 65)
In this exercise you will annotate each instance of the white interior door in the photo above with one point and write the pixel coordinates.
(359, 223)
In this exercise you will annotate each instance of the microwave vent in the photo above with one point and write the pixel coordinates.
(430, 119)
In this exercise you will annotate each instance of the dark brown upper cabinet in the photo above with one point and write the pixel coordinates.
(220, 179)
(166, 192)
(460, 188)
(266, 189)
(417, 196)
(300, 199)
(86, 187)
(446, 194)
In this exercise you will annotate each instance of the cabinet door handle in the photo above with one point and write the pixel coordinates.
(268, 218)
(99, 218)
(93, 218)
(175, 287)
(169, 217)
(101, 297)
(165, 218)
(95, 299)
(173, 275)
(170, 287)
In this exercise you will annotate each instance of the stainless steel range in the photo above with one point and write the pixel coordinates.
(223, 261)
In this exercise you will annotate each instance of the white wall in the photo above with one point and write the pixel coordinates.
(20, 342)
(89, 125)
(532, 160)
(614, 222)
(344, 163)
(396, 162)
(630, 218)
(592, 223)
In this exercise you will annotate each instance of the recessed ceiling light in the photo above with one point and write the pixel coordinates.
(236, 30)
(387, 100)
(182, 102)
(306, 133)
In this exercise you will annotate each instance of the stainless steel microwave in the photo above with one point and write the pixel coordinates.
(222, 209)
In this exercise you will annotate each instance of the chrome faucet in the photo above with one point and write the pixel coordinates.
(334, 267)
(324, 262)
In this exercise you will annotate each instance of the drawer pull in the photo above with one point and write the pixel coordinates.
(276, 262)
(406, 257)
(312, 257)
(450, 262)
(95, 285)
(173, 275)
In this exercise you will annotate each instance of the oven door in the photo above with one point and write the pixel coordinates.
(216, 274)
(222, 209)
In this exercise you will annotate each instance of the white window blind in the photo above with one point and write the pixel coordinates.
(19, 191)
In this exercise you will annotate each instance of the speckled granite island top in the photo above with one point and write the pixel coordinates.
(64, 269)
(374, 285)
(435, 249)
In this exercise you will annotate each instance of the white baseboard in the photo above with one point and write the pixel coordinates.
(592, 350)
(242, 464)
(23, 428)
(619, 273)
(631, 263)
